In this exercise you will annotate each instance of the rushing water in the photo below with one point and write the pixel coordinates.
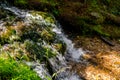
(71, 51)
(58, 63)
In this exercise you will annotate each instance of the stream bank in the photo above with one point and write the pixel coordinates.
(85, 17)
(37, 38)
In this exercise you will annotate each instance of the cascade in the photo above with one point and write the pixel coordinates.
(59, 63)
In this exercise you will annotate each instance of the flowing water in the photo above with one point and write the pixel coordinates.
(59, 63)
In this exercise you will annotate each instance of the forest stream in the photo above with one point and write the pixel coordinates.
(58, 64)
(37, 39)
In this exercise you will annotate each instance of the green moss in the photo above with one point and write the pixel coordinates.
(8, 36)
(94, 4)
(30, 42)
(99, 30)
(15, 50)
(112, 30)
(60, 47)
(51, 2)
(89, 26)
(48, 35)
(12, 70)
(37, 51)
(48, 17)
(21, 2)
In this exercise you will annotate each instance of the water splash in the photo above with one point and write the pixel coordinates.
(19, 13)
(40, 69)
(59, 62)
(73, 53)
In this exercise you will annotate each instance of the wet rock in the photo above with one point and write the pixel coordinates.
(40, 69)
(61, 70)
(61, 47)
(47, 35)
(30, 38)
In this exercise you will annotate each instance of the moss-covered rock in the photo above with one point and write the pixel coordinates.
(47, 17)
(16, 50)
(31, 38)
(61, 47)
(8, 35)
(47, 35)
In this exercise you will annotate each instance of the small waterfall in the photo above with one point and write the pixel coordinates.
(58, 63)
(73, 53)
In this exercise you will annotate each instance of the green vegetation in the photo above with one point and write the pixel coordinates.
(15, 70)
(31, 41)
(26, 42)
(23, 2)
(91, 17)
(44, 5)
(35, 41)
(80, 15)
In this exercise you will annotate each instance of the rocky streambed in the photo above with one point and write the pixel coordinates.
(37, 39)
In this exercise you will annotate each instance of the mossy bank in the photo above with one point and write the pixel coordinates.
(27, 39)
(86, 17)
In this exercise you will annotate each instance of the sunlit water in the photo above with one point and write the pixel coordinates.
(58, 63)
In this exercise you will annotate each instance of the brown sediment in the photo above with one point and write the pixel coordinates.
(103, 60)
(96, 45)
